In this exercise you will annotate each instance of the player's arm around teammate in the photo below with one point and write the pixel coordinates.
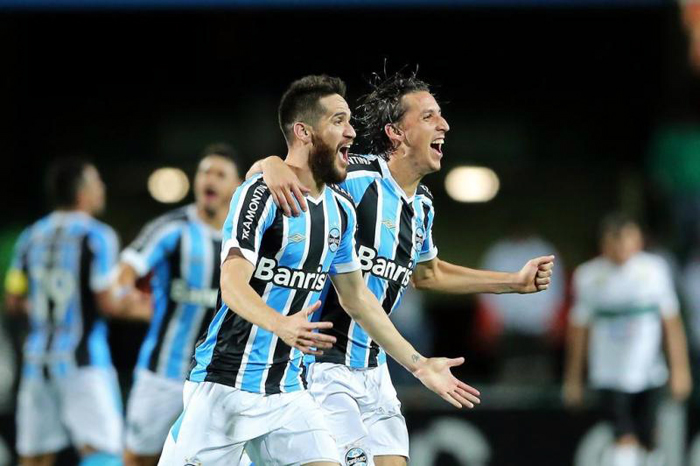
(433, 275)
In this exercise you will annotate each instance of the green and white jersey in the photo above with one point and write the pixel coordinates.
(624, 306)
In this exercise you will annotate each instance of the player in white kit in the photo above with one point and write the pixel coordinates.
(625, 316)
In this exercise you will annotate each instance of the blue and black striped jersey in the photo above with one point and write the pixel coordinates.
(67, 257)
(292, 259)
(394, 233)
(182, 253)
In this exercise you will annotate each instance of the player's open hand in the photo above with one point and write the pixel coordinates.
(298, 332)
(435, 374)
(536, 275)
(285, 188)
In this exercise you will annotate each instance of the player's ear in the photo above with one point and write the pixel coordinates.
(302, 131)
(394, 133)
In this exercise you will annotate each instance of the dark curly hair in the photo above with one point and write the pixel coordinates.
(384, 105)
(300, 101)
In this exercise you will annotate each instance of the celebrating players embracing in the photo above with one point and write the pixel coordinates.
(247, 385)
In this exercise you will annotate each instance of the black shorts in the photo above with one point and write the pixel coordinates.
(632, 413)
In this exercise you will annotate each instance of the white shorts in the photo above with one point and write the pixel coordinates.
(219, 421)
(84, 408)
(361, 409)
(154, 404)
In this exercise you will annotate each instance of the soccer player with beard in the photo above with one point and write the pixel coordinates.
(247, 388)
(179, 250)
(403, 123)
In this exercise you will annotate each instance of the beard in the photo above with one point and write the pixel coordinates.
(322, 161)
(210, 211)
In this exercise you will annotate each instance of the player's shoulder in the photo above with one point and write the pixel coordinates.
(341, 193)
(653, 262)
(30, 232)
(100, 229)
(175, 216)
(646, 257)
(423, 191)
(587, 271)
(254, 188)
(364, 163)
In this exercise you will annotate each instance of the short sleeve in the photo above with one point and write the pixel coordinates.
(428, 249)
(582, 309)
(104, 244)
(16, 280)
(666, 295)
(345, 259)
(251, 213)
(156, 241)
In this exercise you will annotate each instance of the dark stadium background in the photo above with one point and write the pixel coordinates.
(560, 101)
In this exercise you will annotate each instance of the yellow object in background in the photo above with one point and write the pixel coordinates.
(16, 282)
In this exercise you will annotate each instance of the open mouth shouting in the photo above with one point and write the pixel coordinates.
(210, 193)
(436, 145)
(344, 152)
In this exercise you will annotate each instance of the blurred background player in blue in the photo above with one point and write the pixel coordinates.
(61, 276)
(625, 317)
(181, 250)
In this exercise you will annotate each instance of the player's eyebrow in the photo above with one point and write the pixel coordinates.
(341, 113)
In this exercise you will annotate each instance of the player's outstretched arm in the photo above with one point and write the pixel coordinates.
(241, 298)
(285, 188)
(434, 373)
(442, 276)
(676, 347)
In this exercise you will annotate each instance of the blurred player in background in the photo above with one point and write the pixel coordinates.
(61, 275)
(403, 122)
(181, 249)
(625, 311)
(247, 387)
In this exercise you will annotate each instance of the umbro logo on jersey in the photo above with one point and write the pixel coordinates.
(384, 268)
(297, 238)
(389, 224)
(333, 239)
(269, 271)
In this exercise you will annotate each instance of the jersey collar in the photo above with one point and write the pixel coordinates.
(386, 173)
(193, 216)
(320, 197)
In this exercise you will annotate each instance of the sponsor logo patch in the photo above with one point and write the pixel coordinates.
(384, 268)
(269, 270)
(251, 210)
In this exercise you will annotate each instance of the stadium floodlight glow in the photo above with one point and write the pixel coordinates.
(168, 185)
(472, 184)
